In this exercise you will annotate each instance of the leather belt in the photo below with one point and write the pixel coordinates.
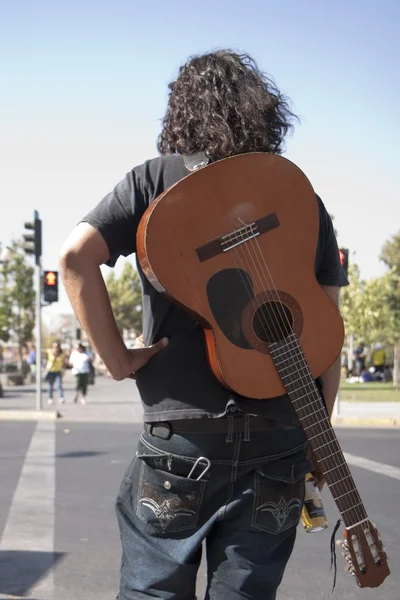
(164, 429)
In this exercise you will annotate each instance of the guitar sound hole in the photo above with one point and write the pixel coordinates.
(272, 322)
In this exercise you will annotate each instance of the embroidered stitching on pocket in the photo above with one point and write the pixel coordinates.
(279, 496)
(167, 502)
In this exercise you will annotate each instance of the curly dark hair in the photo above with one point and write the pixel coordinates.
(222, 104)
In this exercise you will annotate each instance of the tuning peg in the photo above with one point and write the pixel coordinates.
(350, 569)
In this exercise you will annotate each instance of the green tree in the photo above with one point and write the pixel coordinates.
(351, 304)
(371, 310)
(126, 299)
(17, 297)
(390, 254)
(366, 307)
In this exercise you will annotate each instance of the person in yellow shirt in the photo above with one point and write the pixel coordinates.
(55, 368)
(379, 358)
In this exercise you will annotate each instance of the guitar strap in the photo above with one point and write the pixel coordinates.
(195, 161)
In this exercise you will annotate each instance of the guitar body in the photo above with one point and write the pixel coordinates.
(234, 243)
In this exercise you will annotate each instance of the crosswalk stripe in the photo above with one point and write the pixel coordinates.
(372, 465)
(30, 523)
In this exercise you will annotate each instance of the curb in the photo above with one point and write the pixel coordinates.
(29, 415)
(366, 422)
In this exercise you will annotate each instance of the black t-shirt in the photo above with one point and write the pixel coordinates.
(178, 383)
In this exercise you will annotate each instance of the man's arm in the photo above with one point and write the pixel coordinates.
(330, 381)
(82, 254)
(331, 377)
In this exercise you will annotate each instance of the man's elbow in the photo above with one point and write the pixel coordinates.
(85, 248)
(68, 260)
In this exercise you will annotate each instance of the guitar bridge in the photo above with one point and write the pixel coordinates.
(244, 234)
(237, 236)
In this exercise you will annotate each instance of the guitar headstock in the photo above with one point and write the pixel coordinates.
(365, 554)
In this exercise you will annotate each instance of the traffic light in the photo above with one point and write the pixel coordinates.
(344, 260)
(50, 286)
(33, 241)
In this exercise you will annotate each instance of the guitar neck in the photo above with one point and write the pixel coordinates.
(308, 403)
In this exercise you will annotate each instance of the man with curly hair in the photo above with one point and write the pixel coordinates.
(211, 466)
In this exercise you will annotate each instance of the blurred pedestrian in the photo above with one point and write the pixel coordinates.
(32, 356)
(345, 365)
(80, 363)
(366, 376)
(92, 373)
(55, 367)
(359, 356)
(379, 360)
(32, 362)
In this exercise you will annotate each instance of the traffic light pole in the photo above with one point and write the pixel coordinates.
(38, 278)
(33, 246)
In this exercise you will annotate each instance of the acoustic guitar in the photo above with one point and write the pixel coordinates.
(234, 244)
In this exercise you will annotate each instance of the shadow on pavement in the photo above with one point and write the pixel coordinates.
(21, 570)
(80, 454)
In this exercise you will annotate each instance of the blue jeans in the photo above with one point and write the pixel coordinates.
(246, 507)
(55, 377)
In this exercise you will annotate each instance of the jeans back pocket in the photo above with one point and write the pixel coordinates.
(279, 495)
(167, 502)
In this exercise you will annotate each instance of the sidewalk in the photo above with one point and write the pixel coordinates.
(364, 414)
(107, 401)
(112, 401)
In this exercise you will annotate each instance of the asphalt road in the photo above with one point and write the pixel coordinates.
(58, 533)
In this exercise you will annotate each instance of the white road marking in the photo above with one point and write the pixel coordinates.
(30, 523)
(372, 465)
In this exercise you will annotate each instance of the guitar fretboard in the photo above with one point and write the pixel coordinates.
(307, 401)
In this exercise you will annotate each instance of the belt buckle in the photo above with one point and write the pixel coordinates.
(161, 430)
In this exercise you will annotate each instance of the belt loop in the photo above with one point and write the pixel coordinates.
(229, 435)
(247, 437)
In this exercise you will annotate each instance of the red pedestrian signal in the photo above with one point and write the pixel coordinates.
(50, 278)
(50, 286)
(344, 259)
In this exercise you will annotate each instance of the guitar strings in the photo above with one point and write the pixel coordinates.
(309, 382)
(331, 462)
(254, 302)
(352, 507)
(358, 507)
(347, 500)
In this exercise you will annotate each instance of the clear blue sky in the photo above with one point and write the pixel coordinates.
(84, 86)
